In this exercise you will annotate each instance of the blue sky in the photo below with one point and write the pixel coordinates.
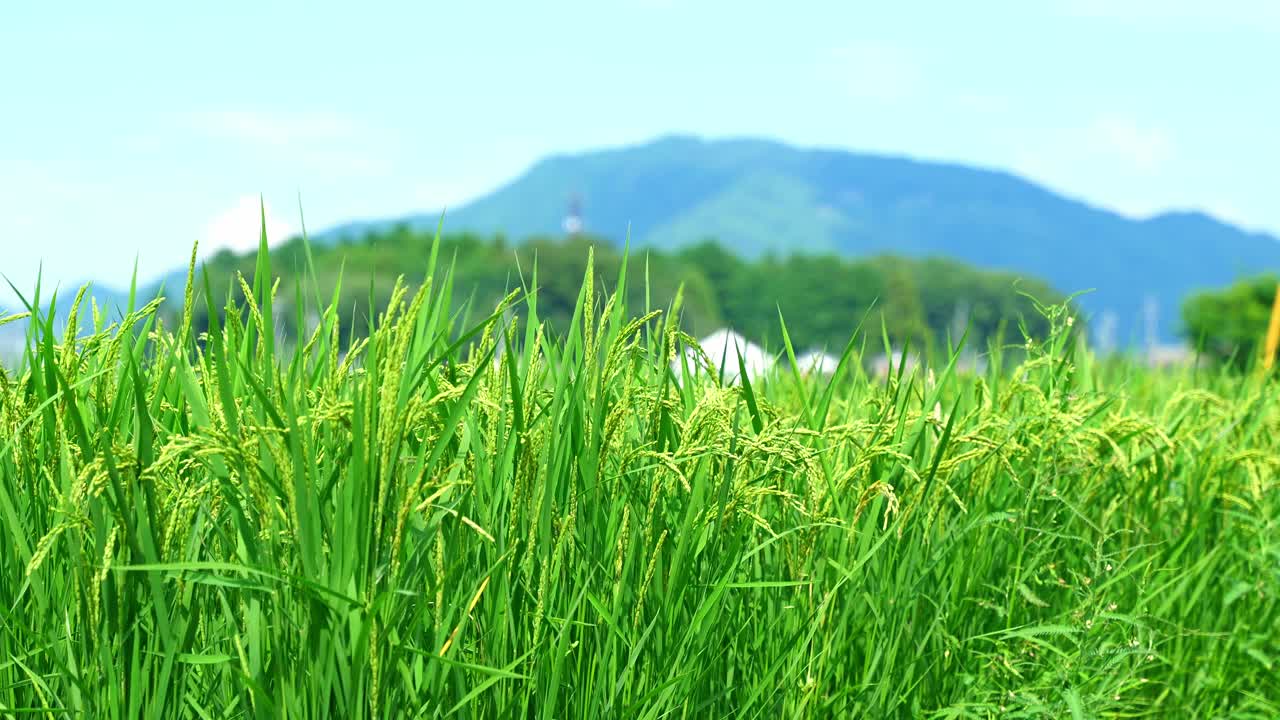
(132, 129)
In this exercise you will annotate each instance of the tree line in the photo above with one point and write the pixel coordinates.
(822, 298)
(1228, 325)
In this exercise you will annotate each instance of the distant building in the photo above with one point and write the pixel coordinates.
(971, 362)
(723, 348)
(1150, 321)
(1105, 332)
(817, 362)
(573, 223)
(882, 364)
(1168, 355)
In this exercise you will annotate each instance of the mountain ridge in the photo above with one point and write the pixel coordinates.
(763, 196)
(758, 196)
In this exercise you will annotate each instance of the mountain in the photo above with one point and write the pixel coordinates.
(111, 303)
(758, 196)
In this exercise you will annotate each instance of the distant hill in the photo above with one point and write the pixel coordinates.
(758, 196)
(110, 301)
(923, 302)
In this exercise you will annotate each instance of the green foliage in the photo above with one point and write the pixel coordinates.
(760, 196)
(1230, 325)
(198, 526)
(822, 296)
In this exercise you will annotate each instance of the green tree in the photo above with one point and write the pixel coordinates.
(1229, 325)
(821, 297)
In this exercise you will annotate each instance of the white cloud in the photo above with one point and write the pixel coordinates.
(448, 194)
(344, 163)
(1254, 14)
(1114, 143)
(320, 144)
(1145, 148)
(238, 228)
(981, 102)
(1229, 211)
(275, 128)
(877, 72)
(1114, 159)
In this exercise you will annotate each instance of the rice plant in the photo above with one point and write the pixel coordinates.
(450, 517)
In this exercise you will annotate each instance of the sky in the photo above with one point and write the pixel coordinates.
(130, 130)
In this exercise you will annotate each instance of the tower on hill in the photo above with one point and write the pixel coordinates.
(573, 219)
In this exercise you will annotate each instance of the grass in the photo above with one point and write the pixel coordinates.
(223, 527)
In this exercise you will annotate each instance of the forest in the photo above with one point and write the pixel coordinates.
(925, 303)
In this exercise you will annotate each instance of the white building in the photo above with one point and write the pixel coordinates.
(817, 362)
(722, 348)
(881, 364)
(1158, 356)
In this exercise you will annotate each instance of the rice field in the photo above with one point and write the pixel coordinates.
(463, 515)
